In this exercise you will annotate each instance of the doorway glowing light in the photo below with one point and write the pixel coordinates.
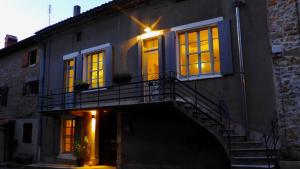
(93, 121)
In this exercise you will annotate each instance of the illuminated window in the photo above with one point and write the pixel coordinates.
(199, 52)
(150, 59)
(95, 69)
(68, 135)
(69, 75)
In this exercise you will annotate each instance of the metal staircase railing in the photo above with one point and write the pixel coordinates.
(166, 87)
(271, 139)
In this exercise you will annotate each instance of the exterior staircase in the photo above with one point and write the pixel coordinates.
(244, 153)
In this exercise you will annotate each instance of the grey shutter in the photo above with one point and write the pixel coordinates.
(170, 52)
(108, 66)
(161, 61)
(78, 67)
(225, 47)
(139, 71)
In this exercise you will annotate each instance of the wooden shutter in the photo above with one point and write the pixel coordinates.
(108, 66)
(25, 59)
(225, 47)
(170, 52)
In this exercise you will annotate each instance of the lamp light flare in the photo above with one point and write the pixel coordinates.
(147, 29)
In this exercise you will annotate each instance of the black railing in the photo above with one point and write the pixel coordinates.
(166, 87)
(271, 139)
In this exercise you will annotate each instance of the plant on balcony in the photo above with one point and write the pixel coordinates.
(122, 78)
(81, 85)
(81, 151)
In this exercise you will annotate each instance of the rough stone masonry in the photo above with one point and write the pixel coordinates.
(284, 31)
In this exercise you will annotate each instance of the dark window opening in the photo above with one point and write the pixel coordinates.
(31, 87)
(27, 132)
(78, 36)
(3, 95)
(179, 0)
(32, 57)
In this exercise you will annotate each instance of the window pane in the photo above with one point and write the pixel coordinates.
(192, 37)
(204, 40)
(216, 49)
(95, 58)
(193, 59)
(94, 75)
(205, 57)
(206, 68)
(183, 70)
(68, 123)
(217, 66)
(68, 140)
(194, 69)
(71, 63)
(182, 39)
(182, 50)
(215, 33)
(193, 47)
(68, 132)
(67, 148)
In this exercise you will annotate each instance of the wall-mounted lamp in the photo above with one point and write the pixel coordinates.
(147, 29)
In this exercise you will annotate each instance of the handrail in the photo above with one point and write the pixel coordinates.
(166, 86)
(271, 139)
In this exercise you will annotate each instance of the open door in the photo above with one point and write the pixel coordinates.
(108, 138)
(151, 67)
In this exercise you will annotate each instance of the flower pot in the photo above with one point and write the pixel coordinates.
(80, 162)
(81, 87)
(122, 78)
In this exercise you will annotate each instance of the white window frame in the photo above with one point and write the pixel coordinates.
(190, 27)
(88, 51)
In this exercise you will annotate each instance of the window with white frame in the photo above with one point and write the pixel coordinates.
(94, 73)
(199, 52)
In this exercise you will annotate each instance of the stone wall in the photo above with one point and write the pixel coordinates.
(284, 31)
(20, 107)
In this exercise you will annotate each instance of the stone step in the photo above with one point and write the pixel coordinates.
(236, 137)
(247, 144)
(256, 160)
(252, 166)
(250, 152)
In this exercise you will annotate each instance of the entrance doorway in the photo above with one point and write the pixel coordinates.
(108, 138)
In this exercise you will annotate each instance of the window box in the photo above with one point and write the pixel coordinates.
(81, 87)
(122, 78)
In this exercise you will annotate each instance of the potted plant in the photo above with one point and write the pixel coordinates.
(81, 85)
(122, 78)
(80, 151)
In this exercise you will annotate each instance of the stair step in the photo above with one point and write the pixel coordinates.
(247, 144)
(244, 152)
(254, 160)
(240, 166)
(236, 138)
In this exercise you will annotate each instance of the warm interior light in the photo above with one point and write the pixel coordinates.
(147, 30)
(93, 121)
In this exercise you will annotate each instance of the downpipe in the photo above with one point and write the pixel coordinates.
(237, 4)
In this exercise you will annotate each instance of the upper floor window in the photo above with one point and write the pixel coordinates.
(95, 69)
(30, 58)
(31, 87)
(27, 132)
(199, 52)
(69, 74)
(203, 49)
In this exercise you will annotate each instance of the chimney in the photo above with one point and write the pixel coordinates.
(10, 40)
(76, 10)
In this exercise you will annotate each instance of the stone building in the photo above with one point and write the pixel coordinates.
(19, 71)
(284, 32)
(183, 107)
